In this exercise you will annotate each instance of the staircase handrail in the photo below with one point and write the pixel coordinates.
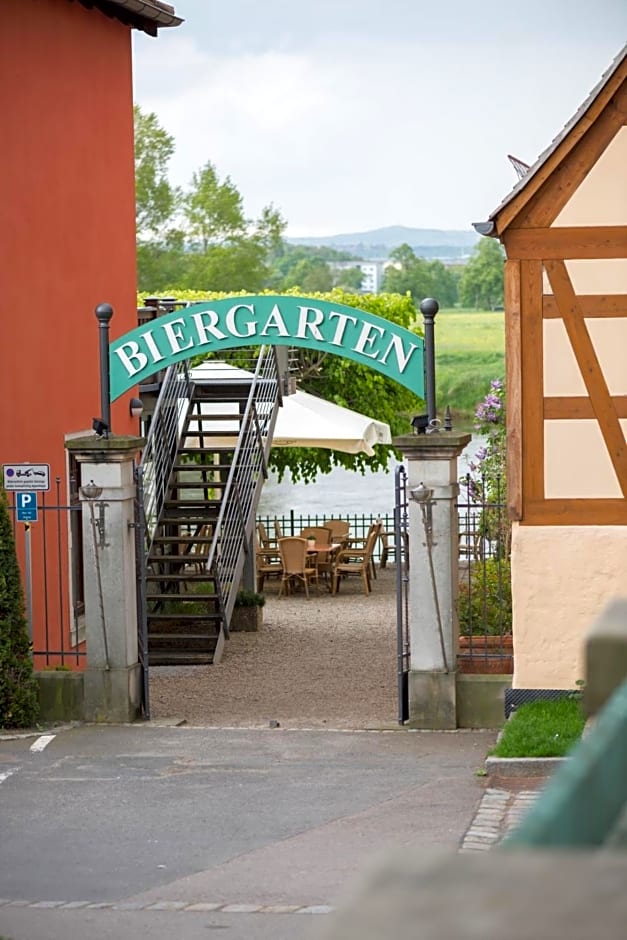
(162, 441)
(249, 468)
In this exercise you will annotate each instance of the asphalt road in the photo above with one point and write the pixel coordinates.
(148, 822)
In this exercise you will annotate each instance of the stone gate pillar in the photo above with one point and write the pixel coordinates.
(431, 460)
(107, 493)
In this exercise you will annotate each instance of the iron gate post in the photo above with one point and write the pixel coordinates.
(431, 461)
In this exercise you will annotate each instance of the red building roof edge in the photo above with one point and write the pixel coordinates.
(147, 15)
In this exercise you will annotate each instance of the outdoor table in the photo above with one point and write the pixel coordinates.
(327, 549)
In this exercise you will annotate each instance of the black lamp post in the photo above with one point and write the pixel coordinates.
(102, 425)
(429, 307)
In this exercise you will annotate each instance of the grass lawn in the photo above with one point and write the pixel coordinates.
(542, 729)
(469, 353)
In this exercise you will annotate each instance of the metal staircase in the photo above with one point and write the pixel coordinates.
(203, 468)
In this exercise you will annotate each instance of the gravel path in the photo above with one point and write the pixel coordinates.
(327, 662)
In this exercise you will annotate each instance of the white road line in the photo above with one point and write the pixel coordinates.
(7, 773)
(42, 742)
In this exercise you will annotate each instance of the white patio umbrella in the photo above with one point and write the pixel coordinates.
(305, 420)
(308, 421)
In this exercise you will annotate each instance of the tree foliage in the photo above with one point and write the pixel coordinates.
(313, 268)
(18, 687)
(420, 278)
(481, 283)
(200, 237)
(155, 198)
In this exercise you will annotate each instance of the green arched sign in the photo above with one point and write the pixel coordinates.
(267, 319)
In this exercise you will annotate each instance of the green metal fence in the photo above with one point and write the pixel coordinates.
(293, 523)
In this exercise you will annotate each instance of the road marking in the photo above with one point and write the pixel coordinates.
(183, 906)
(42, 742)
(7, 773)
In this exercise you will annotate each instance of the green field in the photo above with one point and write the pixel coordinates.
(469, 353)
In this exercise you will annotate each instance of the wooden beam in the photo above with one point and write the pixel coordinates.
(578, 408)
(547, 191)
(513, 386)
(562, 177)
(576, 512)
(532, 359)
(593, 305)
(602, 241)
(590, 369)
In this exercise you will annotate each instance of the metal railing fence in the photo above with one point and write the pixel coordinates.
(162, 441)
(485, 598)
(49, 553)
(249, 468)
(292, 523)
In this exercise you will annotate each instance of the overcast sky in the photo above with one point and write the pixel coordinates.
(349, 115)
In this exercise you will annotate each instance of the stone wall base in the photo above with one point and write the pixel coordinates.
(481, 700)
(113, 695)
(61, 695)
(432, 700)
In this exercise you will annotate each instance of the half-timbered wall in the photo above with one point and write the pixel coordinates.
(566, 327)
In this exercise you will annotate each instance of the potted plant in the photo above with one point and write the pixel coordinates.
(248, 611)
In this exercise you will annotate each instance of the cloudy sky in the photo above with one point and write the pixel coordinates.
(349, 115)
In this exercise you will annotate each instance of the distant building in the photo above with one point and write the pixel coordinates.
(372, 273)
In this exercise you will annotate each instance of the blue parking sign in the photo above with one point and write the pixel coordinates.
(26, 505)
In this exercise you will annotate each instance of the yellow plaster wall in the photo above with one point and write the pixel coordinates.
(562, 577)
(577, 464)
(601, 199)
(594, 276)
(561, 372)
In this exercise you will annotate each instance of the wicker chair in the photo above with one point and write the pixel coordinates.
(360, 543)
(340, 530)
(322, 559)
(296, 565)
(356, 561)
(267, 561)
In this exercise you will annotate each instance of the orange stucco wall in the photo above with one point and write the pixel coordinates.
(68, 223)
(68, 244)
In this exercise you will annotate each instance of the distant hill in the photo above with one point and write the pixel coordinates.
(377, 243)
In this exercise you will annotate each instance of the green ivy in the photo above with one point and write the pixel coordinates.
(485, 599)
(248, 598)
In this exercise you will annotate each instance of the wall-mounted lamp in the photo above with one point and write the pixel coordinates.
(423, 495)
(136, 407)
(91, 491)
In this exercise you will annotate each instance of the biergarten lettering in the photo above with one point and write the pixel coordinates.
(284, 320)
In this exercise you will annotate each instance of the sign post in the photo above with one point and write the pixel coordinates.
(26, 511)
(29, 580)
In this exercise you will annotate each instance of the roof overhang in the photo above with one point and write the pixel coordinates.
(147, 15)
(560, 147)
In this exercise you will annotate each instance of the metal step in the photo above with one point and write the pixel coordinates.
(179, 539)
(180, 658)
(194, 578)
(177, 619)
(190, 597)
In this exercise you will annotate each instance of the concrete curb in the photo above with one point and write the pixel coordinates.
(508, 768)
